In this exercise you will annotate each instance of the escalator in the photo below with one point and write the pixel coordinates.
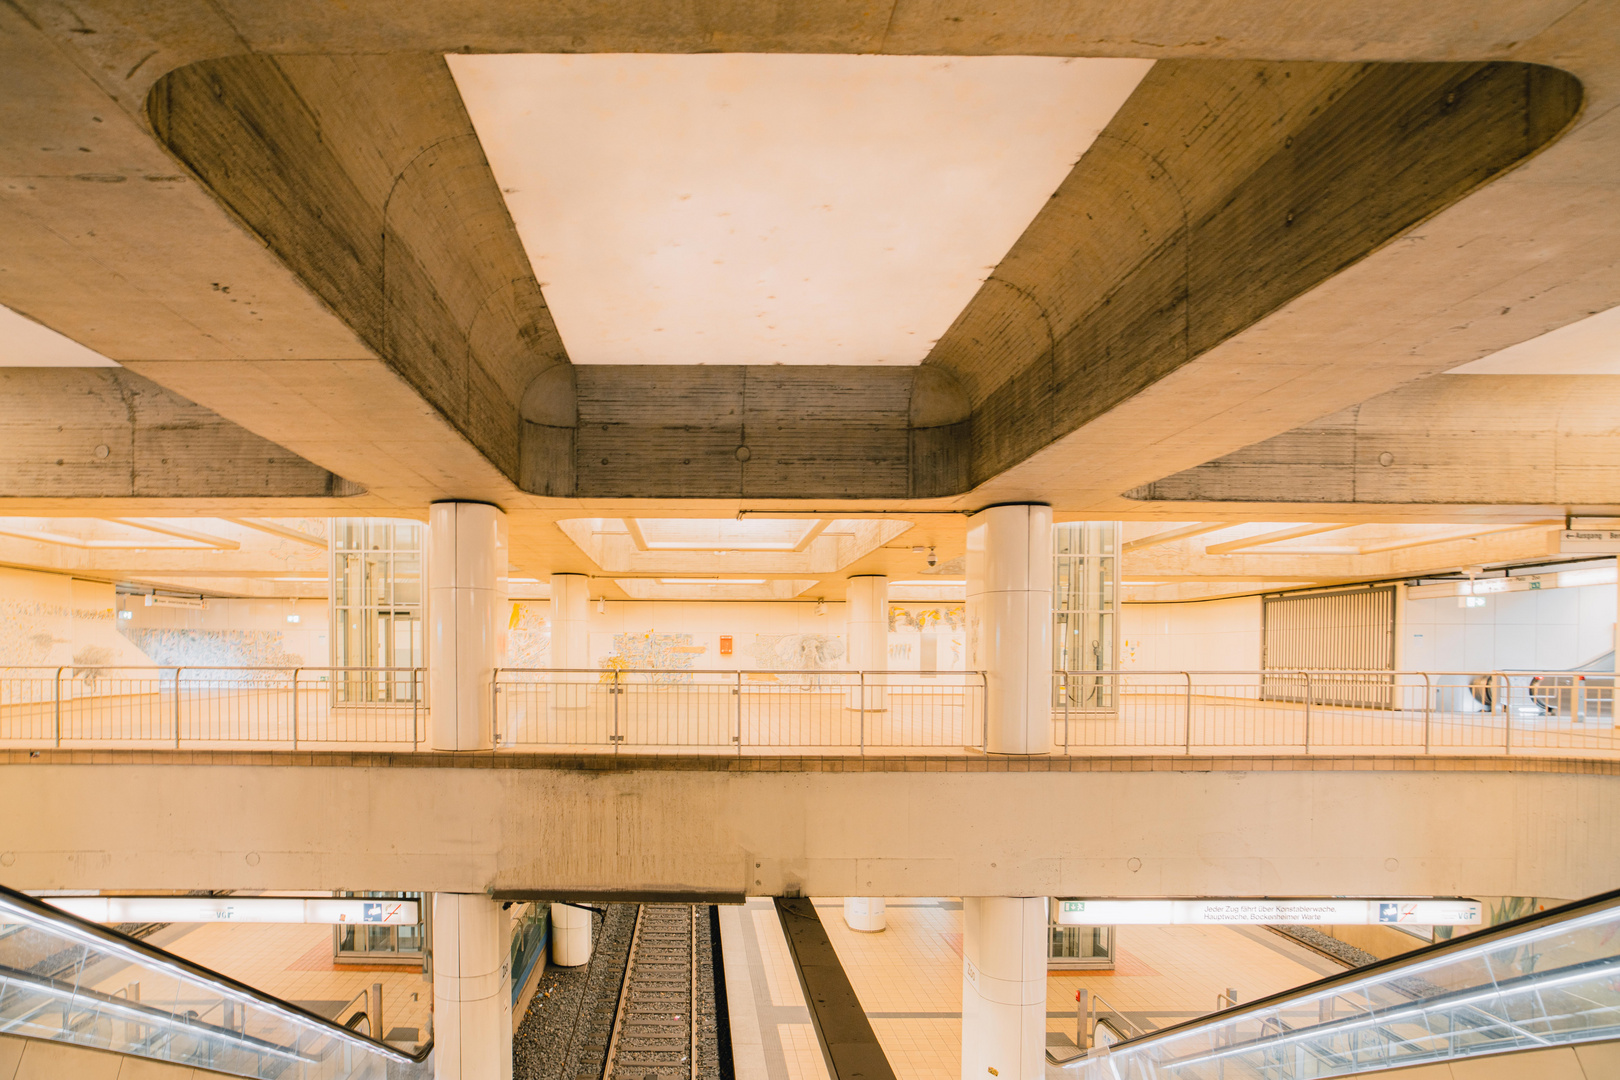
(1547, 981)
(68, 981)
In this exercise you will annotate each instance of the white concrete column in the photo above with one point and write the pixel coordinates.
(570, 603)
(570, 935)
(868, 914)
(466, 621)
(866, 629)
(1009, 610)
(472, 988)
(1003, 987)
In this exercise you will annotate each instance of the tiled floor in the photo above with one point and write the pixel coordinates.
(909, 979)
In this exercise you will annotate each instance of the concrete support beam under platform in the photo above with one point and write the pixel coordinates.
(466, 823)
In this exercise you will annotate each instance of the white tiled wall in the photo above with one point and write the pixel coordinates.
(1550, 629)
(1217, 635)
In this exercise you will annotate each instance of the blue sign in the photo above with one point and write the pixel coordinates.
(372, 913)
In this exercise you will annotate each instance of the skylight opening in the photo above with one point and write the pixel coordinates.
(732, 208)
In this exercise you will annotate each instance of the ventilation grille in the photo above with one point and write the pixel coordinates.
(1353, 630)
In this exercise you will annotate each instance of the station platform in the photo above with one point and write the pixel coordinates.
(909, 980)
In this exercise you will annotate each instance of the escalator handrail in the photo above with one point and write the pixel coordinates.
(1417, 958)
(93, 935)
(140, 1010)
(1379, 1020)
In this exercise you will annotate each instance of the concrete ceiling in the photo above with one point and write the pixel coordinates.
(284, 217)
(767, 209)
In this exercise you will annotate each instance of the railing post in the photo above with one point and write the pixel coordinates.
(1428, 713)
(495, 709)
(416, 709)
(1307, 711)
(177, 708)
(58, 738)
(863, 713)
(614, 692)
(1187, 747)
(1065, 678)
(295, 707)
(1507, 711)
(738, 692)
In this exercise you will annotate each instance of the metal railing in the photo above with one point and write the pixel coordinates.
(175, 706)
(67, 980)
(1552, 979)
(735, 711)
(608, 710)
(1425, 712)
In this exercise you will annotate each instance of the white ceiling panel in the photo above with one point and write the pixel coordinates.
(754, 209)
(1590, 346)
(26, 343)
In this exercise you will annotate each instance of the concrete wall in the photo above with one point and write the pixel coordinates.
(53, 619)
(1217, 635)
(467, 824)
(231, 631)
(1550, 629)
(784, 634)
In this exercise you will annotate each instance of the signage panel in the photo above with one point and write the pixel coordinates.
(1239, 910)
(1589, 541)
(258, 909)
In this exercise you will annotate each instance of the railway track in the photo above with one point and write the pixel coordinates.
(655, 1034)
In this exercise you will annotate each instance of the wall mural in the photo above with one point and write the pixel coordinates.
(42, 634)
(671, 654)
(927, 635)
(528, 636)
(213, 648)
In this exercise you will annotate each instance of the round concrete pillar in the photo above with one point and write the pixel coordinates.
(1009, 610)
(472, 988)
(570, 638)
(466, 581)
(868, 914)
(570, 935)
(1003, 987)
(866, 628)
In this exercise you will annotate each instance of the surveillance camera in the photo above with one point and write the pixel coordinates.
(933, 560)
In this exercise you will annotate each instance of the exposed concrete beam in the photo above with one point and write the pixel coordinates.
(1169, 535)
(1200, 827)
(97, 433)
(1525, 254)
(1549, 439)
(208, 540)
(1276, 536)
(273, 529)
(1448, 538)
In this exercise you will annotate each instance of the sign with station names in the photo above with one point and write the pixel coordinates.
(1266, 911)
(1589, 542)
(260, 909)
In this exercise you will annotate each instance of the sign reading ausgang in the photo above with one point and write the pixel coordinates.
(1589, 541)
(1319, 912)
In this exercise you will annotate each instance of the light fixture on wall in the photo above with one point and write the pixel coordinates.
(821, 607)
(601, 605)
